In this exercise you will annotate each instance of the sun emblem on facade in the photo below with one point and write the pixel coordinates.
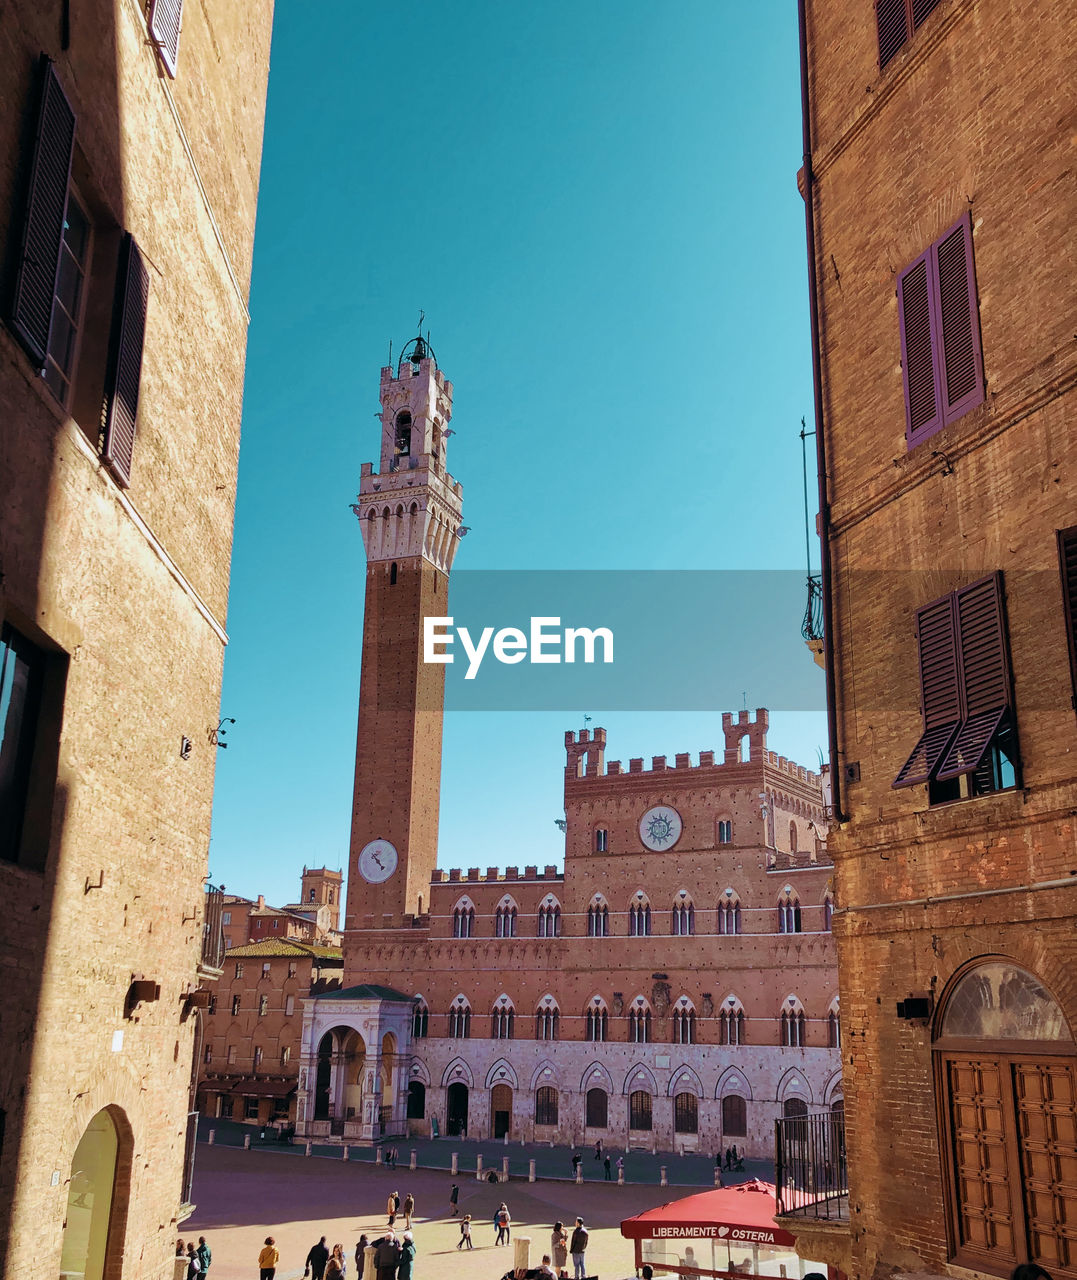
(660, 828)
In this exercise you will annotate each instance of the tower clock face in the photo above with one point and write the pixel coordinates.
(377, 861)
(660, 828)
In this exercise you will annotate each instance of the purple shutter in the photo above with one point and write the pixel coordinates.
(43, 225)
(961, 361)
(919, 358)
(892, 23)
(164, 25)
(125, 360)
(985, 671)
(940, 691)
(1067, 564)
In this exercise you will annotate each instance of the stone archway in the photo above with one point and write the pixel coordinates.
(90, 1220)
(456, 1101)
(501, 1111)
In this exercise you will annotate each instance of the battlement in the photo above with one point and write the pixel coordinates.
(745, 742)
(492, 875)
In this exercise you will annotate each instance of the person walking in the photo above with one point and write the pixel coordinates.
(576, 1160)
(268, 1259)
(598, 1148)
(407, 1257)
(336, 1268)
(503, 1221)
(194, 1265)
(465, 1232)
(316, 1260)
(559, 1248)
(606, 1167)
(409, 1209)
(205, 1254)
(454, 1201)
(360, 1256)
(577, 1246)
(391, 1205)
(386, 1256)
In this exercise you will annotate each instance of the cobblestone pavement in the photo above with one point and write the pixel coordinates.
(243, 1196)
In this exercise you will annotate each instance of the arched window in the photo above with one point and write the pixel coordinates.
(639, 917)
(505, 920)
(503, 1020)
(725, 831)
(598, 1103)
(833, 1029)
(392, 574)
(1006, 1090)
(828, 912)
(729, 913)
(460, 1019)
(789, 911)
(792, 1020)
(602, 840)
(792, 837)
(639, 1022)
(639, 1110)
(686, 1113)
(598, 918)
(546, 1105)
(684, 916)
(90, 1194)
(684, 1022)
(734, 1116)
(463, 919)
(549, 920)
(402, 443)
(597, 1021)
(547, 1020)
(420, 1020)
(731, 1022)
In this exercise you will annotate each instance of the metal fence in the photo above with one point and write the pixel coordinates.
(213, 928)
(810, 1165)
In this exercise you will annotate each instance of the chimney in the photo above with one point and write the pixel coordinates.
(261, 902)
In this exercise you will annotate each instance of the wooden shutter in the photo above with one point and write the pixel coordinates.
(919, 356)
(125, 360)
(985, 675)
(959, 358)
(940, 691)
(43, 225)
(164, 25)
(920, 10)
(891, 21)
(1046, 1111)
(1067, 563)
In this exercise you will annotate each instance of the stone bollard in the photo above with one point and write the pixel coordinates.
(368, 1260)
(310, 1149)
(212, 1137)
(521, 1258)
(531, 1171)
(455, 1169)
(504, 1169)
(717, 1176)
(506, 1139)
(413, 1163)
(620, 1177)
(579, 1173)
(663, 1181)
(478, 1168)
(379, 1156)
(344, 1152)
(246, 1142)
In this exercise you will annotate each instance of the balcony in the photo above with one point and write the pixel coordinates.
(810, 1167)
(211, 960)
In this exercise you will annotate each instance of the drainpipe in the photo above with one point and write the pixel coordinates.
(820, 435)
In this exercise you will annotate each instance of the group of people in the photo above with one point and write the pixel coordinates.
(198, 1256)
(393, 1207)
(607, 1165)
(554, 1265)
(390, 1156)
(394, 1258)
(734, 1159)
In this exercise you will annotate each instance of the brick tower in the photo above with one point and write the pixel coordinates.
(409, 514)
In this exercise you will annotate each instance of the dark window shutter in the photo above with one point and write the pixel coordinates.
(43, 227)
(1067, 563)
(919, 362)
(961, 361)
(165, 16)
(940, 691)
(985, 669)
(891, 20)
(920, 10)
(125, 360)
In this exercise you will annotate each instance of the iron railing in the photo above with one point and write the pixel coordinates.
(213, 928)
(812, 626)
(812, 1175)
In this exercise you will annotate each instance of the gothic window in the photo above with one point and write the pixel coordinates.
(463, 920)
(503, 1020)
(460, 1019)
(731, 1022)
(684, 1022)
(602, 840)
(789, 911)
(828, 912)
(729, 913)
(420, 1021)
(725, 831)
(598, 919)
(597, 1022)
(792, 1020)
(639, 917)
(686, 1113)
(639, 1022)
(833, 1029)
(546, 1105)
(549, 920)
(734, 1116)
(684, 918)
(639, 1110)
(598, 1102)
(505, 921)
(547, 1021)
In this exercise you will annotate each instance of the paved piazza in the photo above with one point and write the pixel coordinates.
(243, 1196)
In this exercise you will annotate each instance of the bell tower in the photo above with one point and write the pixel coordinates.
(409, 513)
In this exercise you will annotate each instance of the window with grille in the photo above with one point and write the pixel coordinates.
(546, 1105)
(896, 21)
(639, 1110)
(686, 1113)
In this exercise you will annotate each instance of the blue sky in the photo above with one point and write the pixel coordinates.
(596, 207)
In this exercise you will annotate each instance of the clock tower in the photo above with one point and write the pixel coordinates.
(409, 513)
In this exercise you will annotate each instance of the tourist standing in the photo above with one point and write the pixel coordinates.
(606, 1167)
(620, 1167)
(559, 1248)
(454, 1201)
(576, 1161)
(205, 1254)
(465, 1232)
(336, 1268)
(409, 1209)
(503, 1221)
(577, 1246)
(194, 1266)
(407, 1257)
(360, 1256)
(316, 1260)
(386, 1256)
(391, 1206)
(268, 1259)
